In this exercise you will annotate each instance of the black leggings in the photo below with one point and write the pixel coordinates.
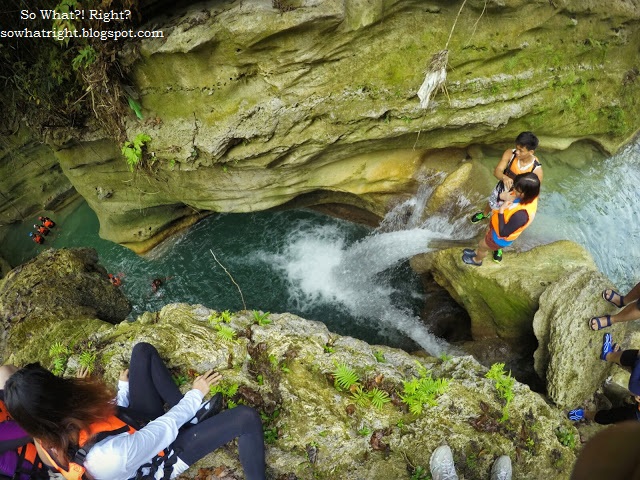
(617, 414)
(151, 386)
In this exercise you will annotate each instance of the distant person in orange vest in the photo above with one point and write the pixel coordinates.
(47, 222)
(514, 215)
(36, 237)
(115, 280)
(41, 229)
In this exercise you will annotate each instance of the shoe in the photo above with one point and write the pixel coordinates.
(576, 414)
(209, 409)
(441, 464)
(497, 255)
(501, 469)
(468, 259)
(468, 251)
(607, 346)
(477, 217)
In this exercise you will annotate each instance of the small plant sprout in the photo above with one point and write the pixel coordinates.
(261, 319)
(445, 358)
(365, 431)
(329, 349)
(379, 356)
(226, 316)
(503, 382)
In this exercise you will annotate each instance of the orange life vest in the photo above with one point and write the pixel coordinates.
(530, 208)
(513, 167)
(96, 432)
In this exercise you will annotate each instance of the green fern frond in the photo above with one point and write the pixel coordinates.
(87, 360)
(345, 377)
(360, 396)
(225, 332)
(378, 398)
(58, 349)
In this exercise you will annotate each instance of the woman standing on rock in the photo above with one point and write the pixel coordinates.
(514, 216)
(76, 428)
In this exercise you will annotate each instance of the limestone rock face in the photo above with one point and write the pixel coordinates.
(251, 106)
(56, 287)
(285, 369)
(568, 355)
(31, 179)
(501, 299)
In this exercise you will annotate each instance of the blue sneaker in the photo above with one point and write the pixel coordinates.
(607, 346)
(576, 414)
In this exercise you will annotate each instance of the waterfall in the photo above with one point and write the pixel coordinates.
(321, 266)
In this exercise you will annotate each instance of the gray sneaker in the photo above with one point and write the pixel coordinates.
(501, 469)
(441, 464)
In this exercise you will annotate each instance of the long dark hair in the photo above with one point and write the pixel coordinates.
(529, 185)
(53, 409)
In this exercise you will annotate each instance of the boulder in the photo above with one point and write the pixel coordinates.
(568, 356)
(57, 287)
(501, 299)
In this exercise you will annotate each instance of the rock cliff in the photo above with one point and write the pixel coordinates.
(286, 367)
(259, 104)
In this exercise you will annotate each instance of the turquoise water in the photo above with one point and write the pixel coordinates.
(266, 253)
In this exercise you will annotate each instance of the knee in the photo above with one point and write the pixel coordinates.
(5, 372)
(248, 417)
(143, 348)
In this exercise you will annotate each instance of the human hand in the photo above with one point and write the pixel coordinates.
(508, 182)
(206, 380)
(124, 375)
(82, 372)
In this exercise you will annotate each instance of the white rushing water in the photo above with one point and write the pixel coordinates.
(321, 266)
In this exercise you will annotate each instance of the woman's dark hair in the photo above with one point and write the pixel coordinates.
(528, 140)
(529, 185)
(54, 409)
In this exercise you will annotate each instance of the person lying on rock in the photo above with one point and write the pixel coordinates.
(631, 311)
(78, 431)
(627, 358)
(512, 218)
(521, 159)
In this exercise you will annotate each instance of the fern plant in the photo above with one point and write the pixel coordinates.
(87, 360)
(60, 354)
(503, 382)
(344, 377)
(378, 398)
(225, 332)
(360, 396)
(132, 150)
(421, 391)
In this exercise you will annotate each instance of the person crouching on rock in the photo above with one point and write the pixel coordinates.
(515, 214)
(74, 422)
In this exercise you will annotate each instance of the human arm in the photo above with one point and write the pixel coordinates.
(122, 397)
(122, 455)
(516, 221)
(498, 172)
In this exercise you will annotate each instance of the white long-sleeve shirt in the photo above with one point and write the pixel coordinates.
(120, 456)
